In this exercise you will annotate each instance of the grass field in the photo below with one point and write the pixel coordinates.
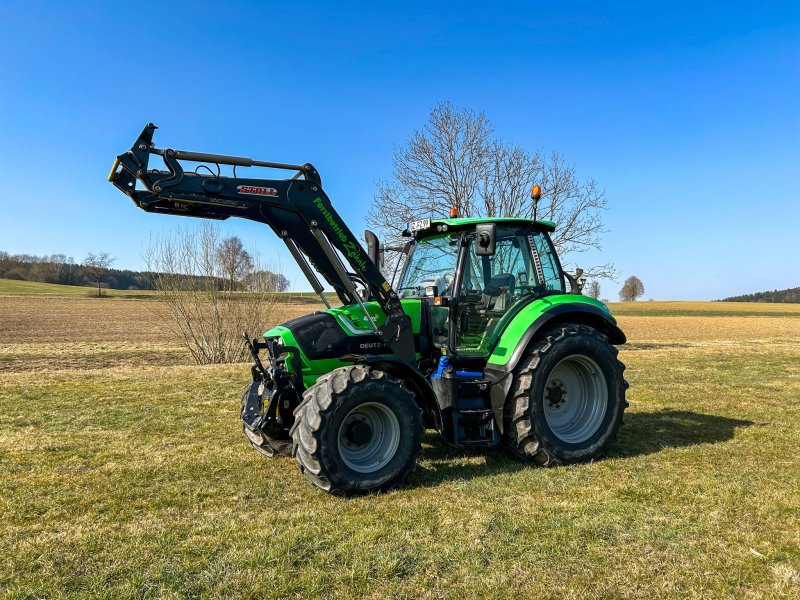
(15, 287)
(123, 473)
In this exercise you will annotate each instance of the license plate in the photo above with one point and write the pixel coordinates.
(419, 224)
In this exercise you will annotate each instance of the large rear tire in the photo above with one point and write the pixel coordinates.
(358, 430)
(567, 399)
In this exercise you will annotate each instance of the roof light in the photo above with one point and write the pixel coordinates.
(453, 213)
(536, 194)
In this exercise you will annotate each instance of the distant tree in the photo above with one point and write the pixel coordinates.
(593, 289)
(266, 281)
(57, 268)
(281, 282)
(6, 263)
(235, 262)
(632, 289)
(456, 161)
(97, 265)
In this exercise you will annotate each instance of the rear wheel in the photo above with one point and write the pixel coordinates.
(357, 430)
(567, 399)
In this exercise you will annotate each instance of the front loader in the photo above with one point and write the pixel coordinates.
(480, 338)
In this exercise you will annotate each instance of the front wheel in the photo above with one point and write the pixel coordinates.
(357, 430)
(567, 399)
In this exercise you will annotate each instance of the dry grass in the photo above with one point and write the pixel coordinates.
(96, 319)
(706, 330)
(124, 474)
(706, 309)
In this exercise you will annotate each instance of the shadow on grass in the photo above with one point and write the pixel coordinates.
(442, 462)
(643, 433)
(646, 433)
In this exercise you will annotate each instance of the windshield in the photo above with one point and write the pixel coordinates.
(431, 268)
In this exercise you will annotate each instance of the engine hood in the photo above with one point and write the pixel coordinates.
(335, 332)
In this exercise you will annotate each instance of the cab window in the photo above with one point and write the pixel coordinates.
(493, 286)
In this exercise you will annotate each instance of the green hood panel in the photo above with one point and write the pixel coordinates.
(345, 331)
(352, 320)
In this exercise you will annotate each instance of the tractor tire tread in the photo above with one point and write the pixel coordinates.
(317, 406)
(522, 440)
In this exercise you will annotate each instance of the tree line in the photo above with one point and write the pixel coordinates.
(790, 295)
(65, 270)
(237, 271)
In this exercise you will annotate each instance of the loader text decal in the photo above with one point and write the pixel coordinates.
(351, 248)
(254, 190)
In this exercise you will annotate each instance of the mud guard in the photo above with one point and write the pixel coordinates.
(415, 380)
(502, 376)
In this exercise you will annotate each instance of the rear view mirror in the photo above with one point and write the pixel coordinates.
(485, 239)
(373, 247)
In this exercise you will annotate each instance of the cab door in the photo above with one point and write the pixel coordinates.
(492, 288)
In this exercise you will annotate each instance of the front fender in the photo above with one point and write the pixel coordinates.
(415, 380)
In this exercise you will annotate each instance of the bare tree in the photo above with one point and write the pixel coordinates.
(632, 289)
(58, 268)
(97, 266)
(593, 289)
(266, 281)
(198, 304)
(235, 262)
(456, 161)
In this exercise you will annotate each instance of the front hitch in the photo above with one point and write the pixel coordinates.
(255, 347)
(269, 401)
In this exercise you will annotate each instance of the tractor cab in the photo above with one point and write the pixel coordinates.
(476, 274)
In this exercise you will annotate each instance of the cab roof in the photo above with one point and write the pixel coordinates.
(462, 222)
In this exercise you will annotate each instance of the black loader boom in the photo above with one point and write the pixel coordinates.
(297, 209)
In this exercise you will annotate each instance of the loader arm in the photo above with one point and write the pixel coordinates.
(297, 209)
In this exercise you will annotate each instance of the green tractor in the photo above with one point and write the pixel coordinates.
(479, 339)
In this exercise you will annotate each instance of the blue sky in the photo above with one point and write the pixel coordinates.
(687, 116)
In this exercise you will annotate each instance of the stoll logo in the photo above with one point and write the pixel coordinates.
(254, 190)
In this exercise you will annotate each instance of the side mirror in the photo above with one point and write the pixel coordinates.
(486, 239)
(373, 247)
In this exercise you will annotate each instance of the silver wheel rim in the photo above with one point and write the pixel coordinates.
(575, 399)
(368, 437)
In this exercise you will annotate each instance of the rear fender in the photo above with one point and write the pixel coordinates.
(502, 374)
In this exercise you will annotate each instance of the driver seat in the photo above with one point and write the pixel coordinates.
(500, 300)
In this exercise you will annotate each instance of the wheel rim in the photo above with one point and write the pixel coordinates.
(368, 437)
(575, 399)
